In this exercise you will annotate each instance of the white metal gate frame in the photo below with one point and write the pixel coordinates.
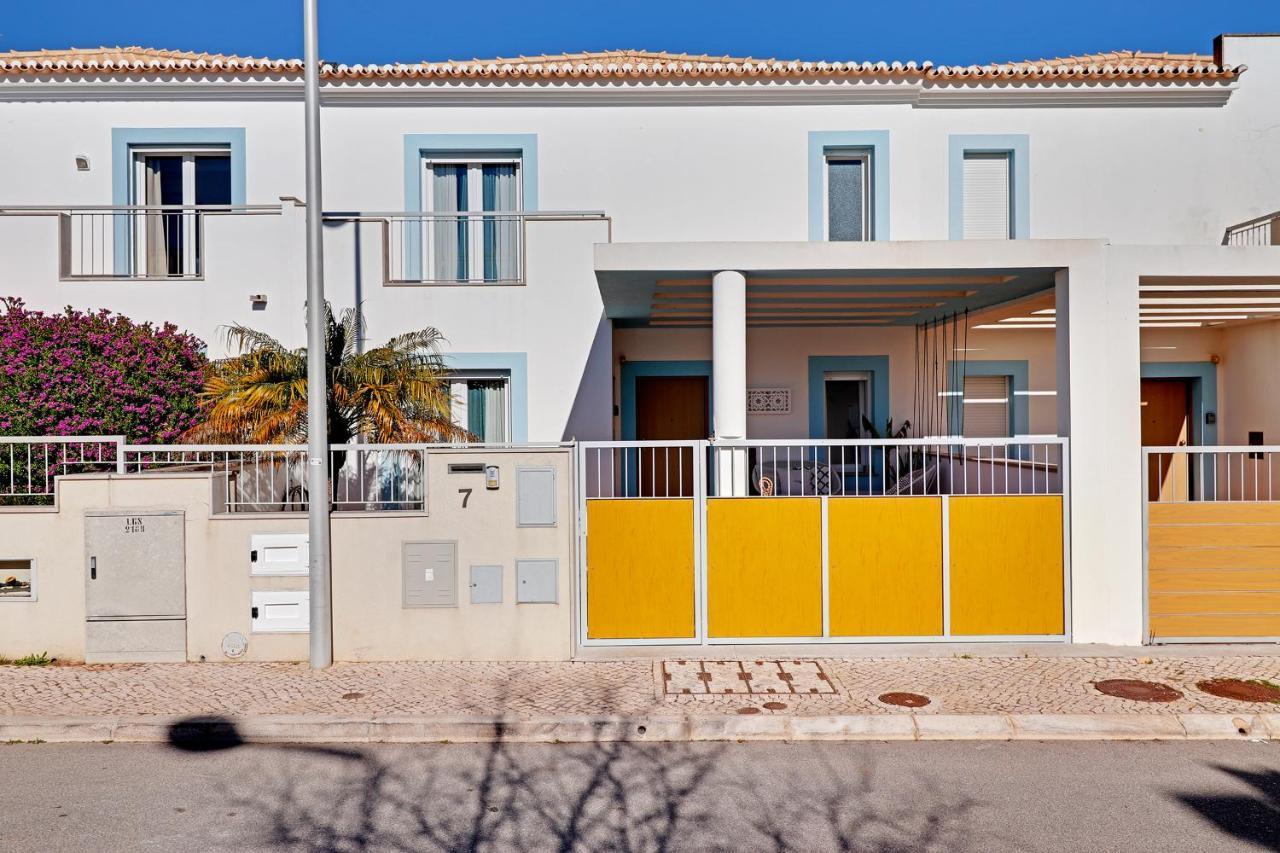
(704, 461)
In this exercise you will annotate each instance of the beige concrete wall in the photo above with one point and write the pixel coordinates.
(1248, 390)
(54, 621)
(369, 620)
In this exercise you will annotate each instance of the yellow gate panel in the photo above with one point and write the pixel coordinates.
(640, 569)
(1006, 565)
(764, 567)
(885, 566)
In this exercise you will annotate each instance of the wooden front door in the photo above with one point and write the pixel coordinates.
(670, 408)
(1166, 422)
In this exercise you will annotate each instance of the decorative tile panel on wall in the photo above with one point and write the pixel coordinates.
(768, 401)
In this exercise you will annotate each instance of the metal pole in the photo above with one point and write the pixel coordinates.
(317, 381)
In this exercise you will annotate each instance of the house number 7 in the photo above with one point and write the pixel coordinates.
(466, 496)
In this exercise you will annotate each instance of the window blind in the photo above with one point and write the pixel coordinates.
(986, 197)
(986, 406)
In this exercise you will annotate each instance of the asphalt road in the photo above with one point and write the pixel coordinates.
(706, 797)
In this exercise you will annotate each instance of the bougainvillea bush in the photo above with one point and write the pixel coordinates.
(73, 373)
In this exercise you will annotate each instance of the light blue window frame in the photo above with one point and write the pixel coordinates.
(1018, 147)
(820, 365)
(1017, 374)
(632, 370)
(516, 365)
(126, 140)
(824, 142)
(1203, 376)
(420, 146)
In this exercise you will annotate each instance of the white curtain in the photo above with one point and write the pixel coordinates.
(501, 235)
(495, 412)
(448, 244)
(157, 241)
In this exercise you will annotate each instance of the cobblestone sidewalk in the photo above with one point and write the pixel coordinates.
(952, 685)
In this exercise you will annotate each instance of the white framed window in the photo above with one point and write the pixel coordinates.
(166, 244)
(988, 204)
(482, 404)
(847, 194)
(17, 579)
(462, 247)
(987, 406)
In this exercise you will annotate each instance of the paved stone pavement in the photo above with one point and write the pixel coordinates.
(954, 685)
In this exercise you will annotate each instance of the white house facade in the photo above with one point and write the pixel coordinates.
(721, 278)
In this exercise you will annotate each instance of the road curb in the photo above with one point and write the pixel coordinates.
(191, 731)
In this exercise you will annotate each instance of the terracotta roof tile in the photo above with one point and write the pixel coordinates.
(612, 64)
(1116, 64)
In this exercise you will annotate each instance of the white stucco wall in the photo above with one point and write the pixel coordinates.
(664, 168)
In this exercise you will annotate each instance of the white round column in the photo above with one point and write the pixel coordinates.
(729, 377)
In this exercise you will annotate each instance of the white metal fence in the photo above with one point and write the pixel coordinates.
(251, 478)
(817, 467)
(1217, 473)
(30, 466)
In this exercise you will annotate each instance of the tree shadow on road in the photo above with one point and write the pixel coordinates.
(605, 795)
(1252, 817)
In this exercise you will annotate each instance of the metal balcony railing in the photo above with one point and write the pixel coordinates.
(134, 242)
(1262, 231)
(458, 248)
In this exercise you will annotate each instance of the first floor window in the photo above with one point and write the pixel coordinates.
(462, 245)
(482, 404)
(986, 404)
(167, 241)
(848, 195)
(987, 203)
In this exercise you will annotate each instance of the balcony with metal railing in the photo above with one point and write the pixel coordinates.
(462, 247)
(1261, 231)
(138, 242)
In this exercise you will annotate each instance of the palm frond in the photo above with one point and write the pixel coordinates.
(398, 392)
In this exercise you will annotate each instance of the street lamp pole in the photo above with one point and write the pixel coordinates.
(317, 381)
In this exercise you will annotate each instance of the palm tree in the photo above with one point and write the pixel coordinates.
(398, 392)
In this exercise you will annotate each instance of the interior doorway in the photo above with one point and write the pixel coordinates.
(670, 408)
(1166, 422)
(846, 400)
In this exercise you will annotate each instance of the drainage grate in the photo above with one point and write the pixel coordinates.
(903, 699)
(1240, 690)
(745, 678)
(1137, 690)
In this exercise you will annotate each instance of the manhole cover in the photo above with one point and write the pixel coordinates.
(904, 700)
(1137, 690)
(776, 706)
(1240, 690)
(352, 695)
(749, 710)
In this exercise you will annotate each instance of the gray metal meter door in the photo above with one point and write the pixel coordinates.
(135, 564)
(429, 574)
(535, 497)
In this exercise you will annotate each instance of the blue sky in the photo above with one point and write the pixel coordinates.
(961, 32)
